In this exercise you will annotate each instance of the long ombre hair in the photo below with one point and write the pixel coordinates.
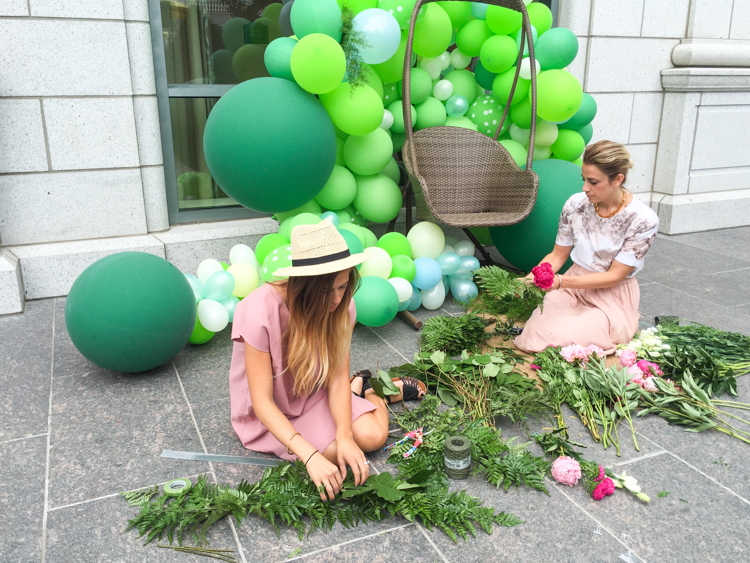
(317, 339)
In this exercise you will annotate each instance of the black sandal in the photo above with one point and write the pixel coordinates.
(411, 389)
(365, 374)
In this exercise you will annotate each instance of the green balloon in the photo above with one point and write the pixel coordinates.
(586, 132)
(483, 235)
(367, 154)
(378, 198)
(569, 145)
(268, 244)
(285, 229)
(357, 231)
(311, 206)
(398, 141)
(304, 219)
(352, 242)
(498, 54)
(559, 95)
(356, 111)
(316, 16)
(557, 48)
(391, 93)
(340, 134)
(526, 243)
(485, 112)
(399, 9)
(502, 21)
(248, 63)
(464, 83)
(376, 301)
(340, 189)
(358, 6)
(403, 267)
(392, 69)
(278, 57)
(430, 113)
(540, 17)
(233, 33)
(372, 79)
(584, 115)
(340, 152)
(472, 36)
(392, 171)
(318, 63)
(517, 151)
(395, 244)
(397, 109)
(421, 86)
(461, 121)
(273, 11)
(521, 114)
(504, 82)
(356, 217)
(253, 157)
(484, 77)
(200, 334)
(458, 12)
(224, 265)
(370, 238)
(432, 36)
(130, 312)
(278, 258)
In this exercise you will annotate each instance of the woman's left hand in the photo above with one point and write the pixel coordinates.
(349, 453)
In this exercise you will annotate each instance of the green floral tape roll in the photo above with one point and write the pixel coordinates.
(177, 487)
(457, 455)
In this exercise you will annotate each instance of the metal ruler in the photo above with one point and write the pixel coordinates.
(195, 456)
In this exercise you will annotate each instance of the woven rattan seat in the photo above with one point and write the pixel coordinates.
(465, 178)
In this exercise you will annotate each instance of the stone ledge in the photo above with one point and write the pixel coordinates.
(712, 52)
(688, 213)
(11, 285)
(715, 79)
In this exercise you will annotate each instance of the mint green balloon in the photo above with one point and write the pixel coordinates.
(309, 207)
(516, 150)
(502, 85)
(316, 16)
(430, 113)
(464, 82)
(396, 108)
(370, 238)
(557, 48)
(421, 86)
(584, 114)
(378, 198)
(339, 191)
(356, 230)
(278, 57)
(352, 241)
(305, 219)
(367, 154)
(485, 112)
(586, 132)
(268, 244)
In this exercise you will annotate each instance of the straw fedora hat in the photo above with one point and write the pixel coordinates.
(319, 249)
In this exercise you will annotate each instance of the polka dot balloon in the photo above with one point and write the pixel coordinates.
(485, 112)
(279, 258)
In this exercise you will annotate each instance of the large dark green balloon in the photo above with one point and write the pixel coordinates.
(269, 144)
(130, 312)
(526, 243)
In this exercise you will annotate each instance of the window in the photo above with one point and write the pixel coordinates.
(201, 49)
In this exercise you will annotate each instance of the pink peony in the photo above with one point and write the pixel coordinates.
(594, 349)
(544, 277)
(605, 487)
(566, 470)
(628, 358)
(649, 368)
(650, 385)
(601, 474)
(572, 353)
(536, 367)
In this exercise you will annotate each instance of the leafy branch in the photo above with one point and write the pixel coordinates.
(351, 42)
(505, 294)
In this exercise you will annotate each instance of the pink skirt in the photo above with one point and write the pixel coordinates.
(604, 317)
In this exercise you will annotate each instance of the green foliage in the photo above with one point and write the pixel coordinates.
(505, 294)
(351, 42)
(517, 469)
(140, 497)
(453, 335)
(519, 405)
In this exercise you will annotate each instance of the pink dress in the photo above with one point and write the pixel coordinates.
(260, 320)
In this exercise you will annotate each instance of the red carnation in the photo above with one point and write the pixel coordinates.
(544, 277)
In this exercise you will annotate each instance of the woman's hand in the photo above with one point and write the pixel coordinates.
(323, 472)
(556, 284)
(349, 453)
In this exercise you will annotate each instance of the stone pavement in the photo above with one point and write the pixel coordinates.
(73, 435)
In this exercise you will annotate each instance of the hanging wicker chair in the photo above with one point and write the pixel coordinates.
(467, 179)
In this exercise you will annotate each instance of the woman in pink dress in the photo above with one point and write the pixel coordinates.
(289, 382)
(607, 233)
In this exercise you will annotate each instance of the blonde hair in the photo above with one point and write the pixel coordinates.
(317, 339)
(611, 158)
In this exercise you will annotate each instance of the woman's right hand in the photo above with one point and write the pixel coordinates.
(323, 472)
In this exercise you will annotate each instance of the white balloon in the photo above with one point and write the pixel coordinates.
(427, 239)
(448, 247)
(546, 134)
(213, 315)
(433, 297)
(519, 135)
(459, 60)
(542, 153)
(445, 60)
(443, 90)
(403, 288)
(387, 120)
(525, 71)
(464, 248)
(207, 268)
(432, 66)
(242, 253)
(378, 264)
